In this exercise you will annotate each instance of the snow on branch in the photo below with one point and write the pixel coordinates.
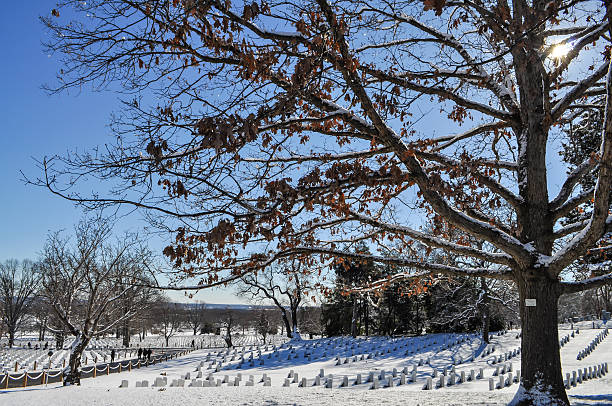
(442, 92)
(449, 140)
(429, 268)
(577, 91)
(571, 181)
(573, 202)
(436, 242)
(591, 283)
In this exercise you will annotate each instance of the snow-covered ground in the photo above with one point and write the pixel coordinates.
(337, 357)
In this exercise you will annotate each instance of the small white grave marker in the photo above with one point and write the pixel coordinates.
(530, 302)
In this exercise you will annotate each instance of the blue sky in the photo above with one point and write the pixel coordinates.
(36, 124)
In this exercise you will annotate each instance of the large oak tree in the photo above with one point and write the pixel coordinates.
(258, 131)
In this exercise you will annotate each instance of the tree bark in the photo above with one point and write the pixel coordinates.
(72, 373)
(59, 340)
(126, 334)
(354, 318)
(486, 324)
(485, 311)
(11, 337)
(294, 319)
(367, 320)
(42, 330)
(540, 358)
(286, 322)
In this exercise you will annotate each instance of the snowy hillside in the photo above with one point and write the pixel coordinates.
(459, 368)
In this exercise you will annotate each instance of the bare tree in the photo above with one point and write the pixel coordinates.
(309, 136)
(310, 320)
(195, 316)
(19, 284)
(228, 323)
(263, 324)
(286, 285)
(40, 312)
(169, 318)
(133, 305)
(85, 279)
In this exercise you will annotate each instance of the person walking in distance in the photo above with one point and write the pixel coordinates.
(113, 355)
(139, 353)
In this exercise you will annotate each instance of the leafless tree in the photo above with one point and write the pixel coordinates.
(195, 316)
(263, 324)
(84, 280)
(136, 304)
(296, 127)
(228, 323)
(168, 318)
(286, 285)
(310, 320)
(19, 283)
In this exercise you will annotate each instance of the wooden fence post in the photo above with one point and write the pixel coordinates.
(7, 379)
(108, 369)
(95, 370)
(44, 379)
(25, 379)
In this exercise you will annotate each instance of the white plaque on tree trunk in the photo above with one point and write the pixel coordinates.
(530, 302)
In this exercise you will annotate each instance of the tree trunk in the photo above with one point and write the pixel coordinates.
(72, 373)
(59, 340)
(485, 311)
(367, 320)
(42, 331)
(286, 322)
(354, 318)
(11, 336)
(486, 324)
(540, 359)
(126, 334)
(228, 339)
(294, 319)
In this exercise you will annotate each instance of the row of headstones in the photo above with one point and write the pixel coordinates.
(591, 347)
(564, 340)
(394, 344)
(208, 382)
(502, 369)
(452, 378)
(456, 361)
(504, 380)
(581, 375)
(308, 355)
(506, 356)
(377, 379)
(488, 350)
(217, 366)
(235, 353)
